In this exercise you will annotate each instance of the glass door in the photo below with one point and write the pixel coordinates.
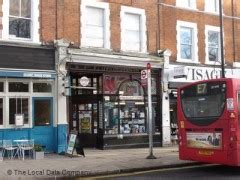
(43, 123)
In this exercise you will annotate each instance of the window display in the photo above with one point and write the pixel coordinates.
(111, 115)
(132, 117)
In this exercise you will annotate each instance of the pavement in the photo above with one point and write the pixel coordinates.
(96, 162)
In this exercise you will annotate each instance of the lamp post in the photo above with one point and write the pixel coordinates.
(221, 38)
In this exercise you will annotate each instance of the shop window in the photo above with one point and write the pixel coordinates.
(1, 111)
(42, 112)
(132, 108)
(1, 87)
(18, 87)
(112, 82)
(42, 87)
(18, 106)
(111, 115)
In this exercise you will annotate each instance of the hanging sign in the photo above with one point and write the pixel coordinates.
(84, 81)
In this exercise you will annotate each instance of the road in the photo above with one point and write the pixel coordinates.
(202, 172)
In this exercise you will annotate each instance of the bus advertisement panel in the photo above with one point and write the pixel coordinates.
(208, 121)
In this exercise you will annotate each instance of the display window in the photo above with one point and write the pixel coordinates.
(16, 99)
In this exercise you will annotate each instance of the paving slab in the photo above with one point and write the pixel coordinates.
(95, 162)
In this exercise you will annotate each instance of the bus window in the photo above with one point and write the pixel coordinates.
(202, 104)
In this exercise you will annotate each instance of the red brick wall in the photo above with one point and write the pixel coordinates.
(170, 14)
(68, 21)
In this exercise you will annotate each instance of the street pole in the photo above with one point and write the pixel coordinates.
(150, 131)
(221, 38)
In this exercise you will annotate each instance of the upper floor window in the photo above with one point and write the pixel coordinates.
(133, 29)
(212, 6)
(20, 20)
(186, 3)
(187, 42)
(212, 41)
(95, 24)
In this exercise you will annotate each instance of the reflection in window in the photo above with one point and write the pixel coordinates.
(18, 87)
(42, 112)
(213, 45)
(186, 42)
(18, 106)
(42, 87)
(111, 115)
(20, 18)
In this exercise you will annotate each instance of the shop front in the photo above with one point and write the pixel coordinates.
(108, 106)
(27, 95)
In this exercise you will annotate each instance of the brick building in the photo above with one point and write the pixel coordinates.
(191, 30)
(80, 61)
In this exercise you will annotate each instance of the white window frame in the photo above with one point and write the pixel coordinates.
(6, 95)
(34, 23)
(208, 9)
(143, 28)
(216, 29)
(183, 4)
(194, 40)
(106, 25)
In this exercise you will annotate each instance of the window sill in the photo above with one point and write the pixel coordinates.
(16, 42)
(187, 61)
(14, 127)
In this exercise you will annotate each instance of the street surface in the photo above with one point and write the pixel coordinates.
(202, 172)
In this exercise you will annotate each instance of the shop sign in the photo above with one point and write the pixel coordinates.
(194, 73)
(133, 98)
(84, 81)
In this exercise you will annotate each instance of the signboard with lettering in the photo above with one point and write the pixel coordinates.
(197, 73)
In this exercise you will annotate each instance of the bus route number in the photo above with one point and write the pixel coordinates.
(202, 88)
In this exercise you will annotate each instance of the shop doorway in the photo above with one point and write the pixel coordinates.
(42, 133)
(86, 108)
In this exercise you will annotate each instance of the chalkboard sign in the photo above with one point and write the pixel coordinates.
(74, 143)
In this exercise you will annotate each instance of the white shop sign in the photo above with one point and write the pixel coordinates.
(195, 73)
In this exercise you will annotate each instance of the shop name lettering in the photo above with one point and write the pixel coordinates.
(203, 74)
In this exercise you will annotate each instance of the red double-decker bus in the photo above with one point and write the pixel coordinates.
(209, 121)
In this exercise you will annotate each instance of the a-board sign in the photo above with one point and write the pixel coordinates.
(71, 142)
(74, 144)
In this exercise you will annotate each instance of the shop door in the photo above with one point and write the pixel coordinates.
(42, 132)
(85, 121)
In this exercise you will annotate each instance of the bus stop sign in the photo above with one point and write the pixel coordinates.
(144, 77)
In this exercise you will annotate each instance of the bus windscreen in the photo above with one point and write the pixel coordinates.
(203, 103)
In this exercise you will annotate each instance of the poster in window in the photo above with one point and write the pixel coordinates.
(85, 122)
(19, 119)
